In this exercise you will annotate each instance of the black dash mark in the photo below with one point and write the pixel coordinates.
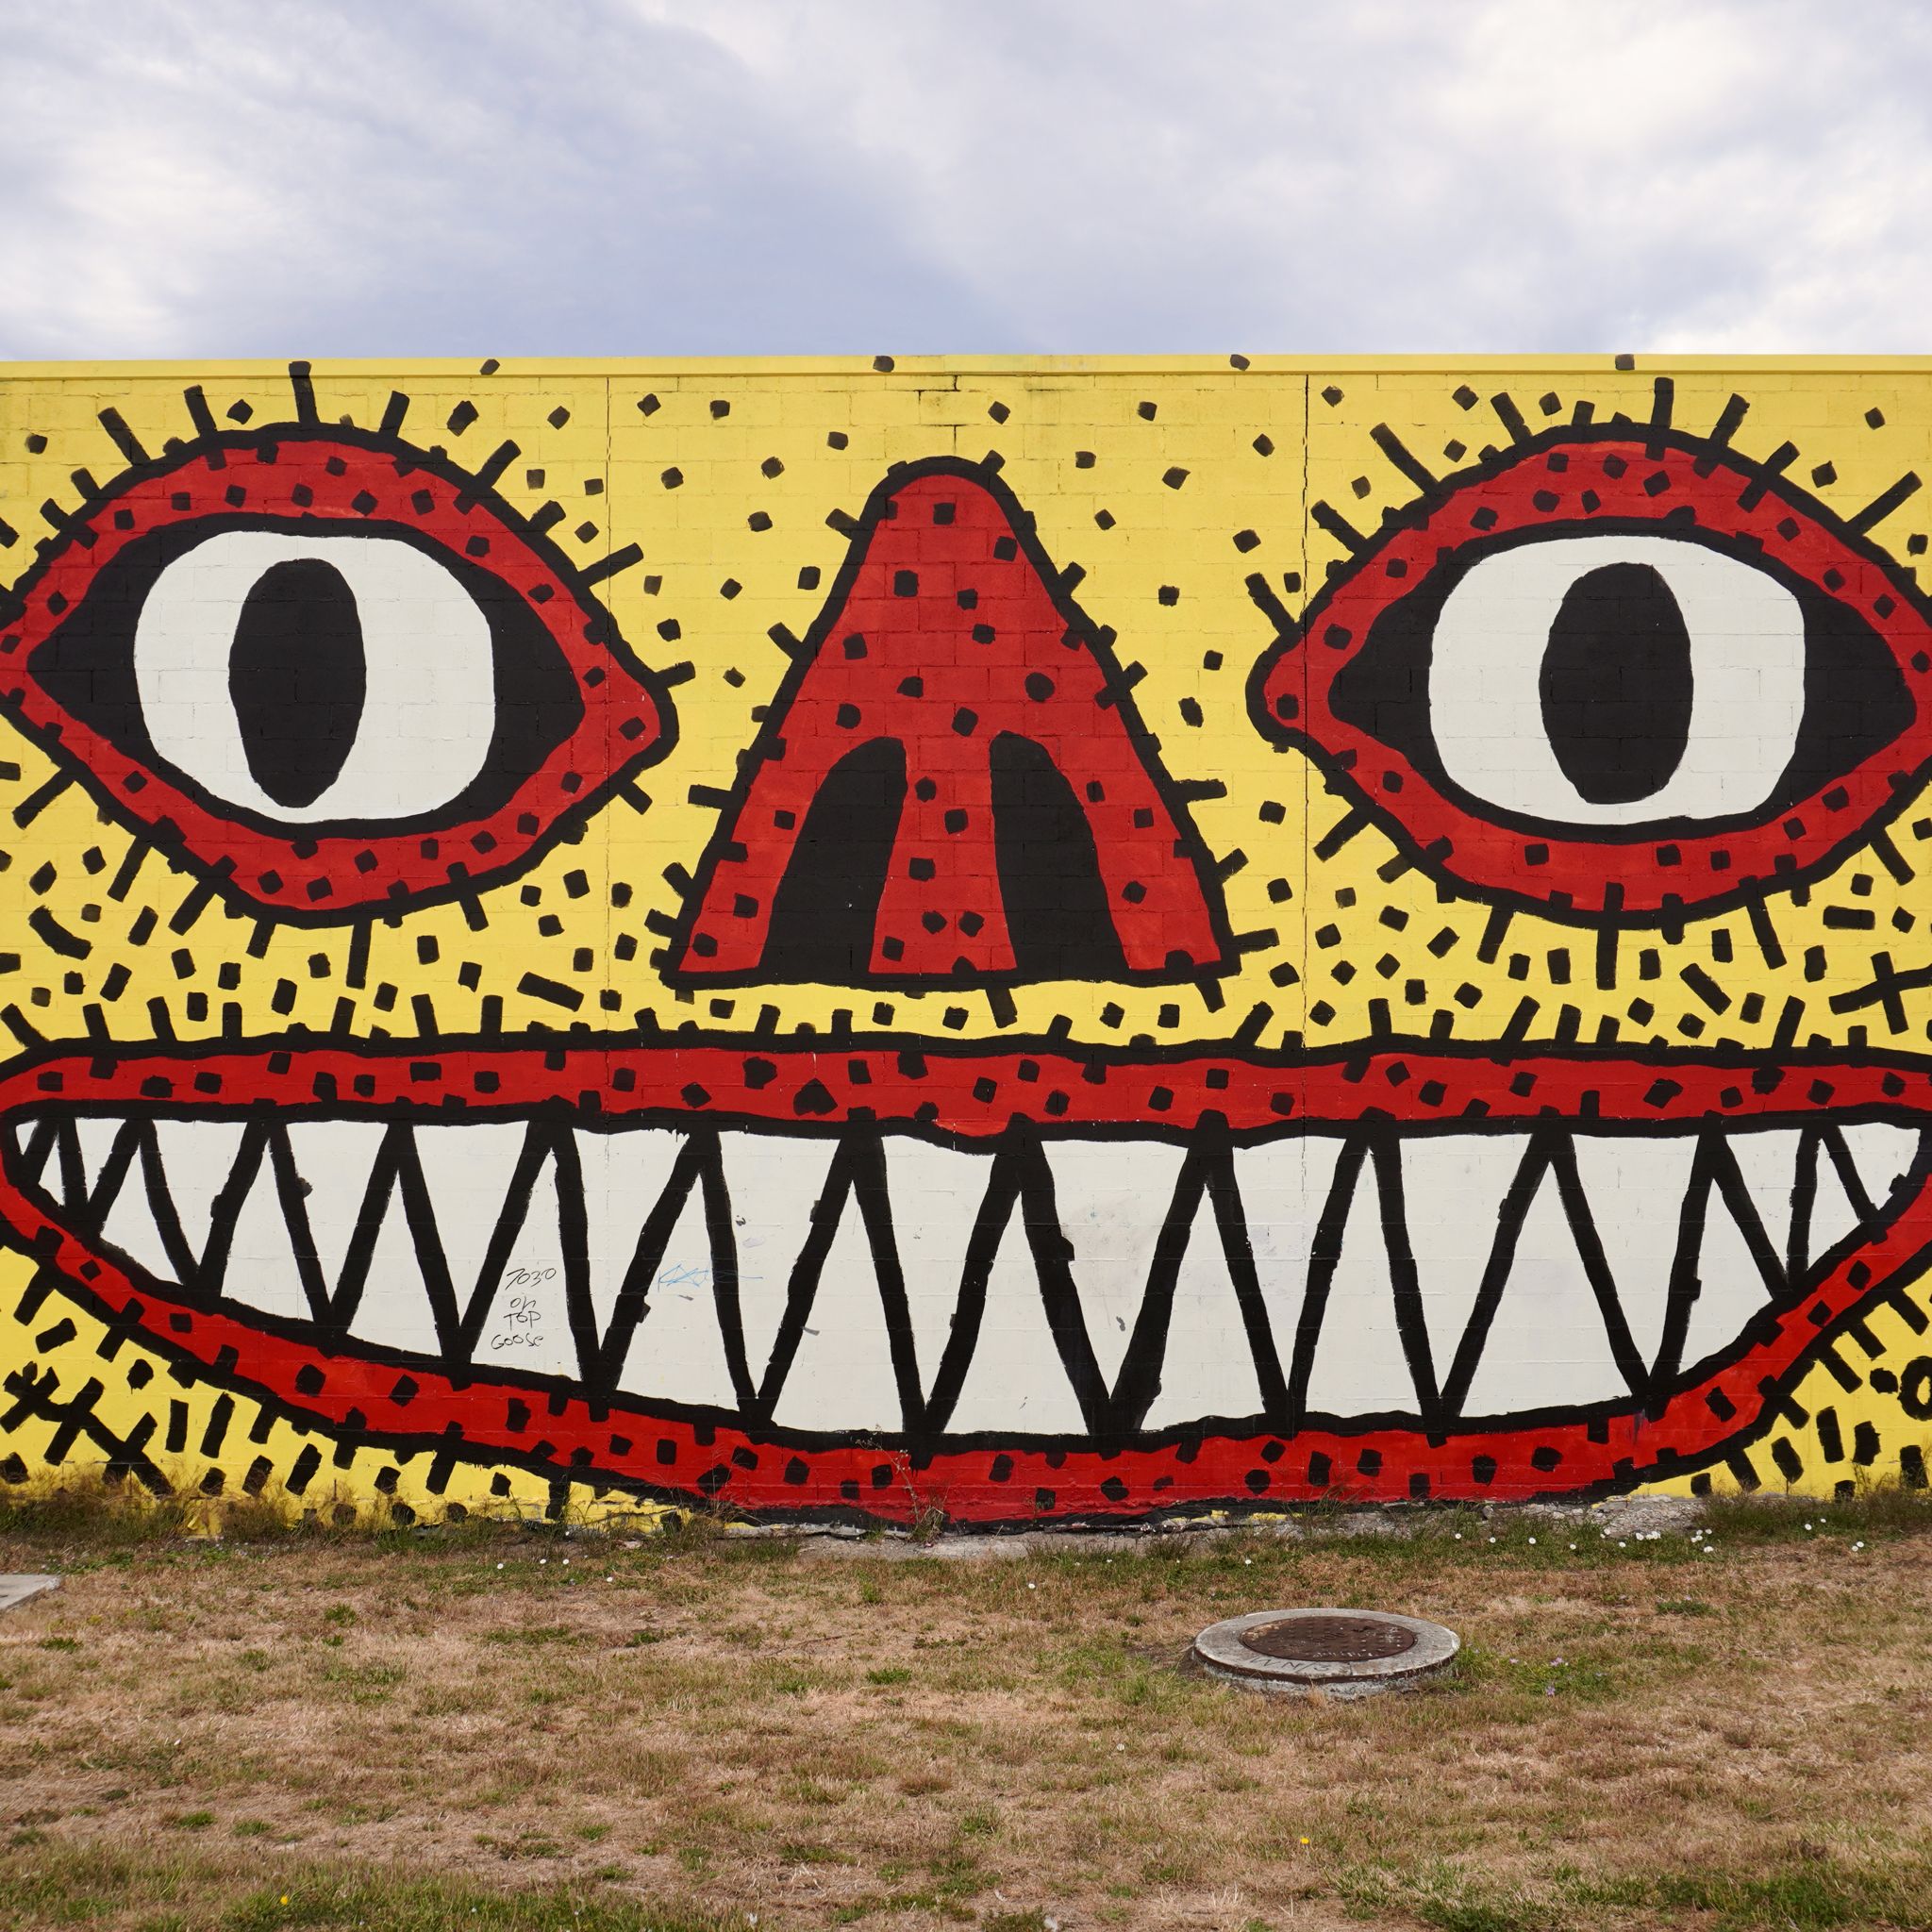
(393, 411)
(1339, 834)
(608, 566)
(70, 945)
(537, 988)
(36, 801)
(1494, 933)
(1764, 932)
(1705, 988)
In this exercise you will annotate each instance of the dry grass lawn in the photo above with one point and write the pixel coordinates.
(495, 1729)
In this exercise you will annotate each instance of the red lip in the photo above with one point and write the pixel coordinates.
(382, 1397)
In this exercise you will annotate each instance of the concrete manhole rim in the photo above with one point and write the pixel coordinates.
(1221, 1649)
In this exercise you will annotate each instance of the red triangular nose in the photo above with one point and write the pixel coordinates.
(953, 784)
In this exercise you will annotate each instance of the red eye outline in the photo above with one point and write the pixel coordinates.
(314, 477)
(1570, 482)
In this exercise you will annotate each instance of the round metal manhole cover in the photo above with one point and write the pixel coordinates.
(1342, 1653)
(1320, 1639)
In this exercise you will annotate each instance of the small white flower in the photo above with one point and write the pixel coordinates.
(1532, 1543)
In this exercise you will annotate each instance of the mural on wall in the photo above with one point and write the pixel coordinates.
(1059, 940)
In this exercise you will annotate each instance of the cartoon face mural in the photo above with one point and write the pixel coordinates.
(1051, 940)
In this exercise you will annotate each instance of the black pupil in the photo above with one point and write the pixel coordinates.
(1616, 683)
(297, 677)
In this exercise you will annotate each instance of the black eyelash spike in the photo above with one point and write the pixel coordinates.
(1776, 463)
(1729, 417)
(123, 438)
(488, 476)
(304, 392)
(1391, 446)
(1338, 526)
(1510, 416)
(1885, 502)
(204, 421)
(1664, 398)
(393, 411)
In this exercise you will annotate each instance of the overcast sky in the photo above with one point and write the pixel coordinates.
(471, 177)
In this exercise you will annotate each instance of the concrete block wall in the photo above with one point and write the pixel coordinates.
(1018, 939)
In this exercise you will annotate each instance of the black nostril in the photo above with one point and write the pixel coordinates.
(827, 906)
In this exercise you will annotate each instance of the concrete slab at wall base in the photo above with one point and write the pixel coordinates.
(1008, 943)
(18, 1590)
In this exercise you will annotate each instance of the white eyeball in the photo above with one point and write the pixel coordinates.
(317, 677)
(1617, 681)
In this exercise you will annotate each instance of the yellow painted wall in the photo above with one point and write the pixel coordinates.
(1171, 483)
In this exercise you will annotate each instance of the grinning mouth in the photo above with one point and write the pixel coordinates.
(781, 1275)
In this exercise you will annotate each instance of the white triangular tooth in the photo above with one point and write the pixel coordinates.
(528, 1326)
(1635, 1185)
(1834, 1214)
(1208, 1370)
(1453, 1187)
(1767, 1162)
(935, 1194)
(1360, 1366)
(132, 1229)
(1015, 1383)
(1731, 1288)
(394, 1310)
(468, 1170)
(1110, 1198)
(36, 1153)
(678, 1352)
(841, 1376)
(36, 1163)
(96, 1135)
(64, 1177)
(332, 1161)
(1547, 1346)
(262, 1270)
(624, 1172)
(196, 1158)
(774, 1182)
(1882, 1155)
(1283, 1186)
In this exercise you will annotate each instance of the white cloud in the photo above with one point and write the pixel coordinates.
(599, 177)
